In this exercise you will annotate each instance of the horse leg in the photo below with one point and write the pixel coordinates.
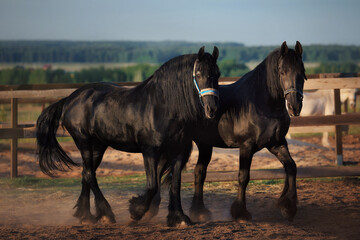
(176, 215)
(238, 208)
(83, 203)
(92, 157)
(325, 139)
(104, 212)
(288, 199)
(140, 205)
(198, 211)
(155, 203)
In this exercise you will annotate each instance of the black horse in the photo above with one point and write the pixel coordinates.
(153, 118)
(253, 115)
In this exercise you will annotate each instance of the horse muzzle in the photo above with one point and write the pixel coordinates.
(294, 109)
(294, 99)
(211, 105)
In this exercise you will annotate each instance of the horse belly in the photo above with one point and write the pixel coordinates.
(126, 131)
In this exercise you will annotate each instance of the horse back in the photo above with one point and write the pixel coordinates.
(122, 118)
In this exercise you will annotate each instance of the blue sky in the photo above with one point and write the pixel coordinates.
(252, 22)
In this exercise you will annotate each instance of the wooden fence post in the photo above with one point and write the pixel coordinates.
(14, 141)
(338, 130)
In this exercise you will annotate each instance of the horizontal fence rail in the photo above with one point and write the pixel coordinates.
(42, 93)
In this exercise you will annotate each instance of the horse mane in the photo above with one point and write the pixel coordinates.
(172, 84)
(272, 74)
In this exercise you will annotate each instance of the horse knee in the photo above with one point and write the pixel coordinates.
(86, 176)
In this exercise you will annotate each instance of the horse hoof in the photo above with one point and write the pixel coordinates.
(132, 223)
(106, 220)
(288, 209)
(88, 221)
(205, 217)
(202, 215)
(150, 214)
(183, 224)
(243, 217)
(239, 212)
(178, 221)
(137, 208)
(288, 213)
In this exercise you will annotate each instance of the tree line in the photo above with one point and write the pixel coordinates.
(136, 73)
(140, 72)
(154, 52)
(20, 75)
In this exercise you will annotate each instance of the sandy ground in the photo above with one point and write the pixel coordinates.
(328, 209)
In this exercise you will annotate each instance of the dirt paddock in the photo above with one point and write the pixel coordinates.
(327, 208)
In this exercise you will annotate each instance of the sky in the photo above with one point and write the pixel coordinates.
(252, 22)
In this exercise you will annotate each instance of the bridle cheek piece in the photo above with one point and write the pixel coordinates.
(205, 91)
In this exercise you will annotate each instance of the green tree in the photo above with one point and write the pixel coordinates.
(17, 75)
(231, 68)
(37, 76)
(335, 67)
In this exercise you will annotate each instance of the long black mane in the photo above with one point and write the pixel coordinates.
(175, 74)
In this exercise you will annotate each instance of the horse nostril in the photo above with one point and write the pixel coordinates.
(209, 112)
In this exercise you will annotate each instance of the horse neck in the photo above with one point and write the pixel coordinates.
(266, 82)
(174, 89)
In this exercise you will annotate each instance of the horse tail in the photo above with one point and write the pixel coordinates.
(167, 179)
(168, 172)
(51, 156)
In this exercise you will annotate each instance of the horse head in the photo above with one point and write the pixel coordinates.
(205, 76)
(292, 76)
(350, 96)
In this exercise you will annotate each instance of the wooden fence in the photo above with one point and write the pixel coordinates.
(52, 92)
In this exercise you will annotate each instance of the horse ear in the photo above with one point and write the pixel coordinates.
(201, 53)
(215, 53)
(284, 49)
(298, 48)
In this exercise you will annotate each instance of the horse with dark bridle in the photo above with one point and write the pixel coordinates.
(154, 118)
(254, 114)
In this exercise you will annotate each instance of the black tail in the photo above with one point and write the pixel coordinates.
(169, 168)
(51, 155)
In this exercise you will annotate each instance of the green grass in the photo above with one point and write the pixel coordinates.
(26, 112)
(267, 182)
(38, 183)
(353, 129)
(123, 183)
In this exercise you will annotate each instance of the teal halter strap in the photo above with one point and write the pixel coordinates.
(206, 91)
